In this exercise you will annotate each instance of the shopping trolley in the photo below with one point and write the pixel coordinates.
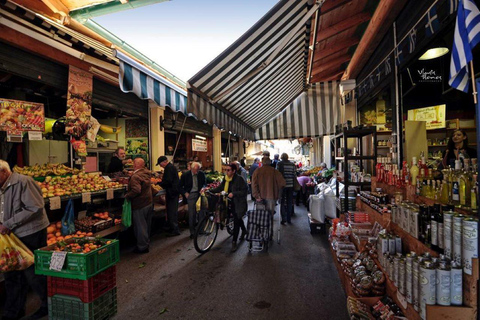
(260, 228)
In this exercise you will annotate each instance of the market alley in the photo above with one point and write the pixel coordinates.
(294, 280)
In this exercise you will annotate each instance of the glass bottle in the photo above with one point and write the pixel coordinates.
(419, 188)
(465, 185)
(414, 171)
(456, 183)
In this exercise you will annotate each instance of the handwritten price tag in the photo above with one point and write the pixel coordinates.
(403, 301)
(55, 203)
(109, 194)
(58, 260)
(86, 197)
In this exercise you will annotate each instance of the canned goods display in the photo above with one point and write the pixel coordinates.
(398, 244)
(396, 269)
(391, 245)
(456, 296)
(448, 234)
(402, 276)
(457, 238)
(470, 243)
(441, 245)
(416, 282)
(444, 280)
(428, 286)
(409, 276)
(414, 223)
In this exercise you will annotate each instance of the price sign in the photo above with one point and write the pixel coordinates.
(58, 260)
(109, 194)
(86, 197)
(82, 214)
(107, 178)
(402, 300)
(55, 203)
(34, 135)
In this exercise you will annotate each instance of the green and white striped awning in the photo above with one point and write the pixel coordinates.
(134, 77)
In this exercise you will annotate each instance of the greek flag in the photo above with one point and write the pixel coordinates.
(466, 37)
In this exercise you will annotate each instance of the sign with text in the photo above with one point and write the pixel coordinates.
(58, 260)
(55, 203)
(86, 197)
(21, 116)
(433, 116)
(199, 145)
(34, 135)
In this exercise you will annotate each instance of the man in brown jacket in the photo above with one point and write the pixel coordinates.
(267, 183)
(140, 194)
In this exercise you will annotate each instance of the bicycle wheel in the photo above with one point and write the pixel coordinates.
(205, 234)
(230, 224)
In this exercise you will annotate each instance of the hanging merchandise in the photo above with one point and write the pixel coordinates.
(68, 220)
(127, 213)
(93, 129)
(79, 102)
(80, 147)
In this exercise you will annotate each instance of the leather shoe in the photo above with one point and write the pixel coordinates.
(242, 237)
(136, 250)
(234, 247)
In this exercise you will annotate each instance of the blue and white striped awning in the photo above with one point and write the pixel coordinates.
(259, 74)
(314, 113)
(146, 84)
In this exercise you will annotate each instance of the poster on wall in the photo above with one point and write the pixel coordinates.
(434, 116)
(79, 102)
(17, 116)
(135, 128)
(137, 147)
(199, 145)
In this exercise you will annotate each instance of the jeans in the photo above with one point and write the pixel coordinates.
(142, 223)
(287, 204)
(172, 213)
(192, 210)
(17, 282)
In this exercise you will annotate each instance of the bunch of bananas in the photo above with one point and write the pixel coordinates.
(47, 169)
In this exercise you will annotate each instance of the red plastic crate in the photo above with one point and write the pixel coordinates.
(86, 290)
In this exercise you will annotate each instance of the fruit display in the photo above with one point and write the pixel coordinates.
(92, 224)
(80, 245)
(214, 176)
(312, 171)
(48, 169)
(102, 215)
(54, 233)
(155, 180)
(75, 184)
(210, 186)
(157, 188)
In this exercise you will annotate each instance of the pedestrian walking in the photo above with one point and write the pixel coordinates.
(170, 183)
(253, 167)
(267, 183)
(140, 194)
(236, 187)
(288, 171)
(190, 185)
(22, 212)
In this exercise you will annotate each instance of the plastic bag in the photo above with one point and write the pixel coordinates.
(202, 203)
(68, 220)
(127, 213)
(14, 254)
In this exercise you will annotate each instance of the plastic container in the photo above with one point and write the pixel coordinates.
(72, 308)
(86, 290)
(81, 266)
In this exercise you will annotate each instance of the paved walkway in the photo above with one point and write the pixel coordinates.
(294, 280)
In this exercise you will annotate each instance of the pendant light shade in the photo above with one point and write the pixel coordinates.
(434, 53)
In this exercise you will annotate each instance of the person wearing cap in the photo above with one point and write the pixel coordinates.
(287, 169)
(190, 185)
(267, 182)
(170, 183)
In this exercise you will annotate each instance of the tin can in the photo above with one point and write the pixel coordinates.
(405, 216)
(391, 245)
(398, 196)
(416, 282)
(469, 242)
(441, 236)
(398, 244)
(434, 233)
(390, 268)
(456, 296)
(444, 279)
(409, 276)
(384, 245)
(394, 211)
(396, 269)
(414, 225)
(448, 234)
(402, 276)
(428, 287)
(457, 238)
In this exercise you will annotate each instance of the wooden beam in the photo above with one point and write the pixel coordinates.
(328, 72)
(39, 7)
(327, 77)
(351, 22)
(333, 78)
(331, 5)
(323, 65)
(57, 7)
(382, 19)
(334, 48)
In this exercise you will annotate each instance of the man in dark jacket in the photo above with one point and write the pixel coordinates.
(253, 167)
(170, 183)
(140, 194)
(22, 212)
(190, 185)
(288, 171)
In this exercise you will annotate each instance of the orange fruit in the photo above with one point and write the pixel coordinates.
(50, 236)
(90, 234)
(51, 229)
(58, 225)
(58, 234)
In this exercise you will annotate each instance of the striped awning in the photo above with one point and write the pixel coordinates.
(146, 84)
(258, 75)
(314, 113)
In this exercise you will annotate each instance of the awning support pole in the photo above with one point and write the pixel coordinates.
(179, 136)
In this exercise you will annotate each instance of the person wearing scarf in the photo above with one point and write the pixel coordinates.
(237, 190)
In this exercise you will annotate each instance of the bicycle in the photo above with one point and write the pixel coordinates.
(217, 215)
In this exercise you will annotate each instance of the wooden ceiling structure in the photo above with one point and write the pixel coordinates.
(344, 35)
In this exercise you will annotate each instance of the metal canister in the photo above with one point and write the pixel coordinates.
(385, 260)
(383, 246)
(398, 196)
(396, 268)
(448, 234)
(409, 276)
(441, 242)
(394, 212)
(391, 245)
(428, 286)
(402, 276)
(470, 243)
(457, 238)
(390, 268)
(405, 215)
(444, 279)
(414, 225)
(398, 244)
(416, 282)
(456, 289)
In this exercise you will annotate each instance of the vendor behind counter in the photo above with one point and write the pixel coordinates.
(457, 149)
(117, 163)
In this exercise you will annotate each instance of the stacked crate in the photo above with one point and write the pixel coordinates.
(86, 287)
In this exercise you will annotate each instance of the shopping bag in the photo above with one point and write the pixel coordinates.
(68, 220)
(14, 255)
(127, 213)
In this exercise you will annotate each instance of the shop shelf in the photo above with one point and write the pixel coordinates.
(86, 290)
(93, 193)
(79, 266)
(72, 308)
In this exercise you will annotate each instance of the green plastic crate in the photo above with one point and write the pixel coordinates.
(79, 266)
(68, 307)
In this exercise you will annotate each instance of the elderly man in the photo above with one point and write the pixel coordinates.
(117, 162)
(267, 183)
(22, 213)
(288, 171)
(140, 194)
(190, 185)
(170, 183)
